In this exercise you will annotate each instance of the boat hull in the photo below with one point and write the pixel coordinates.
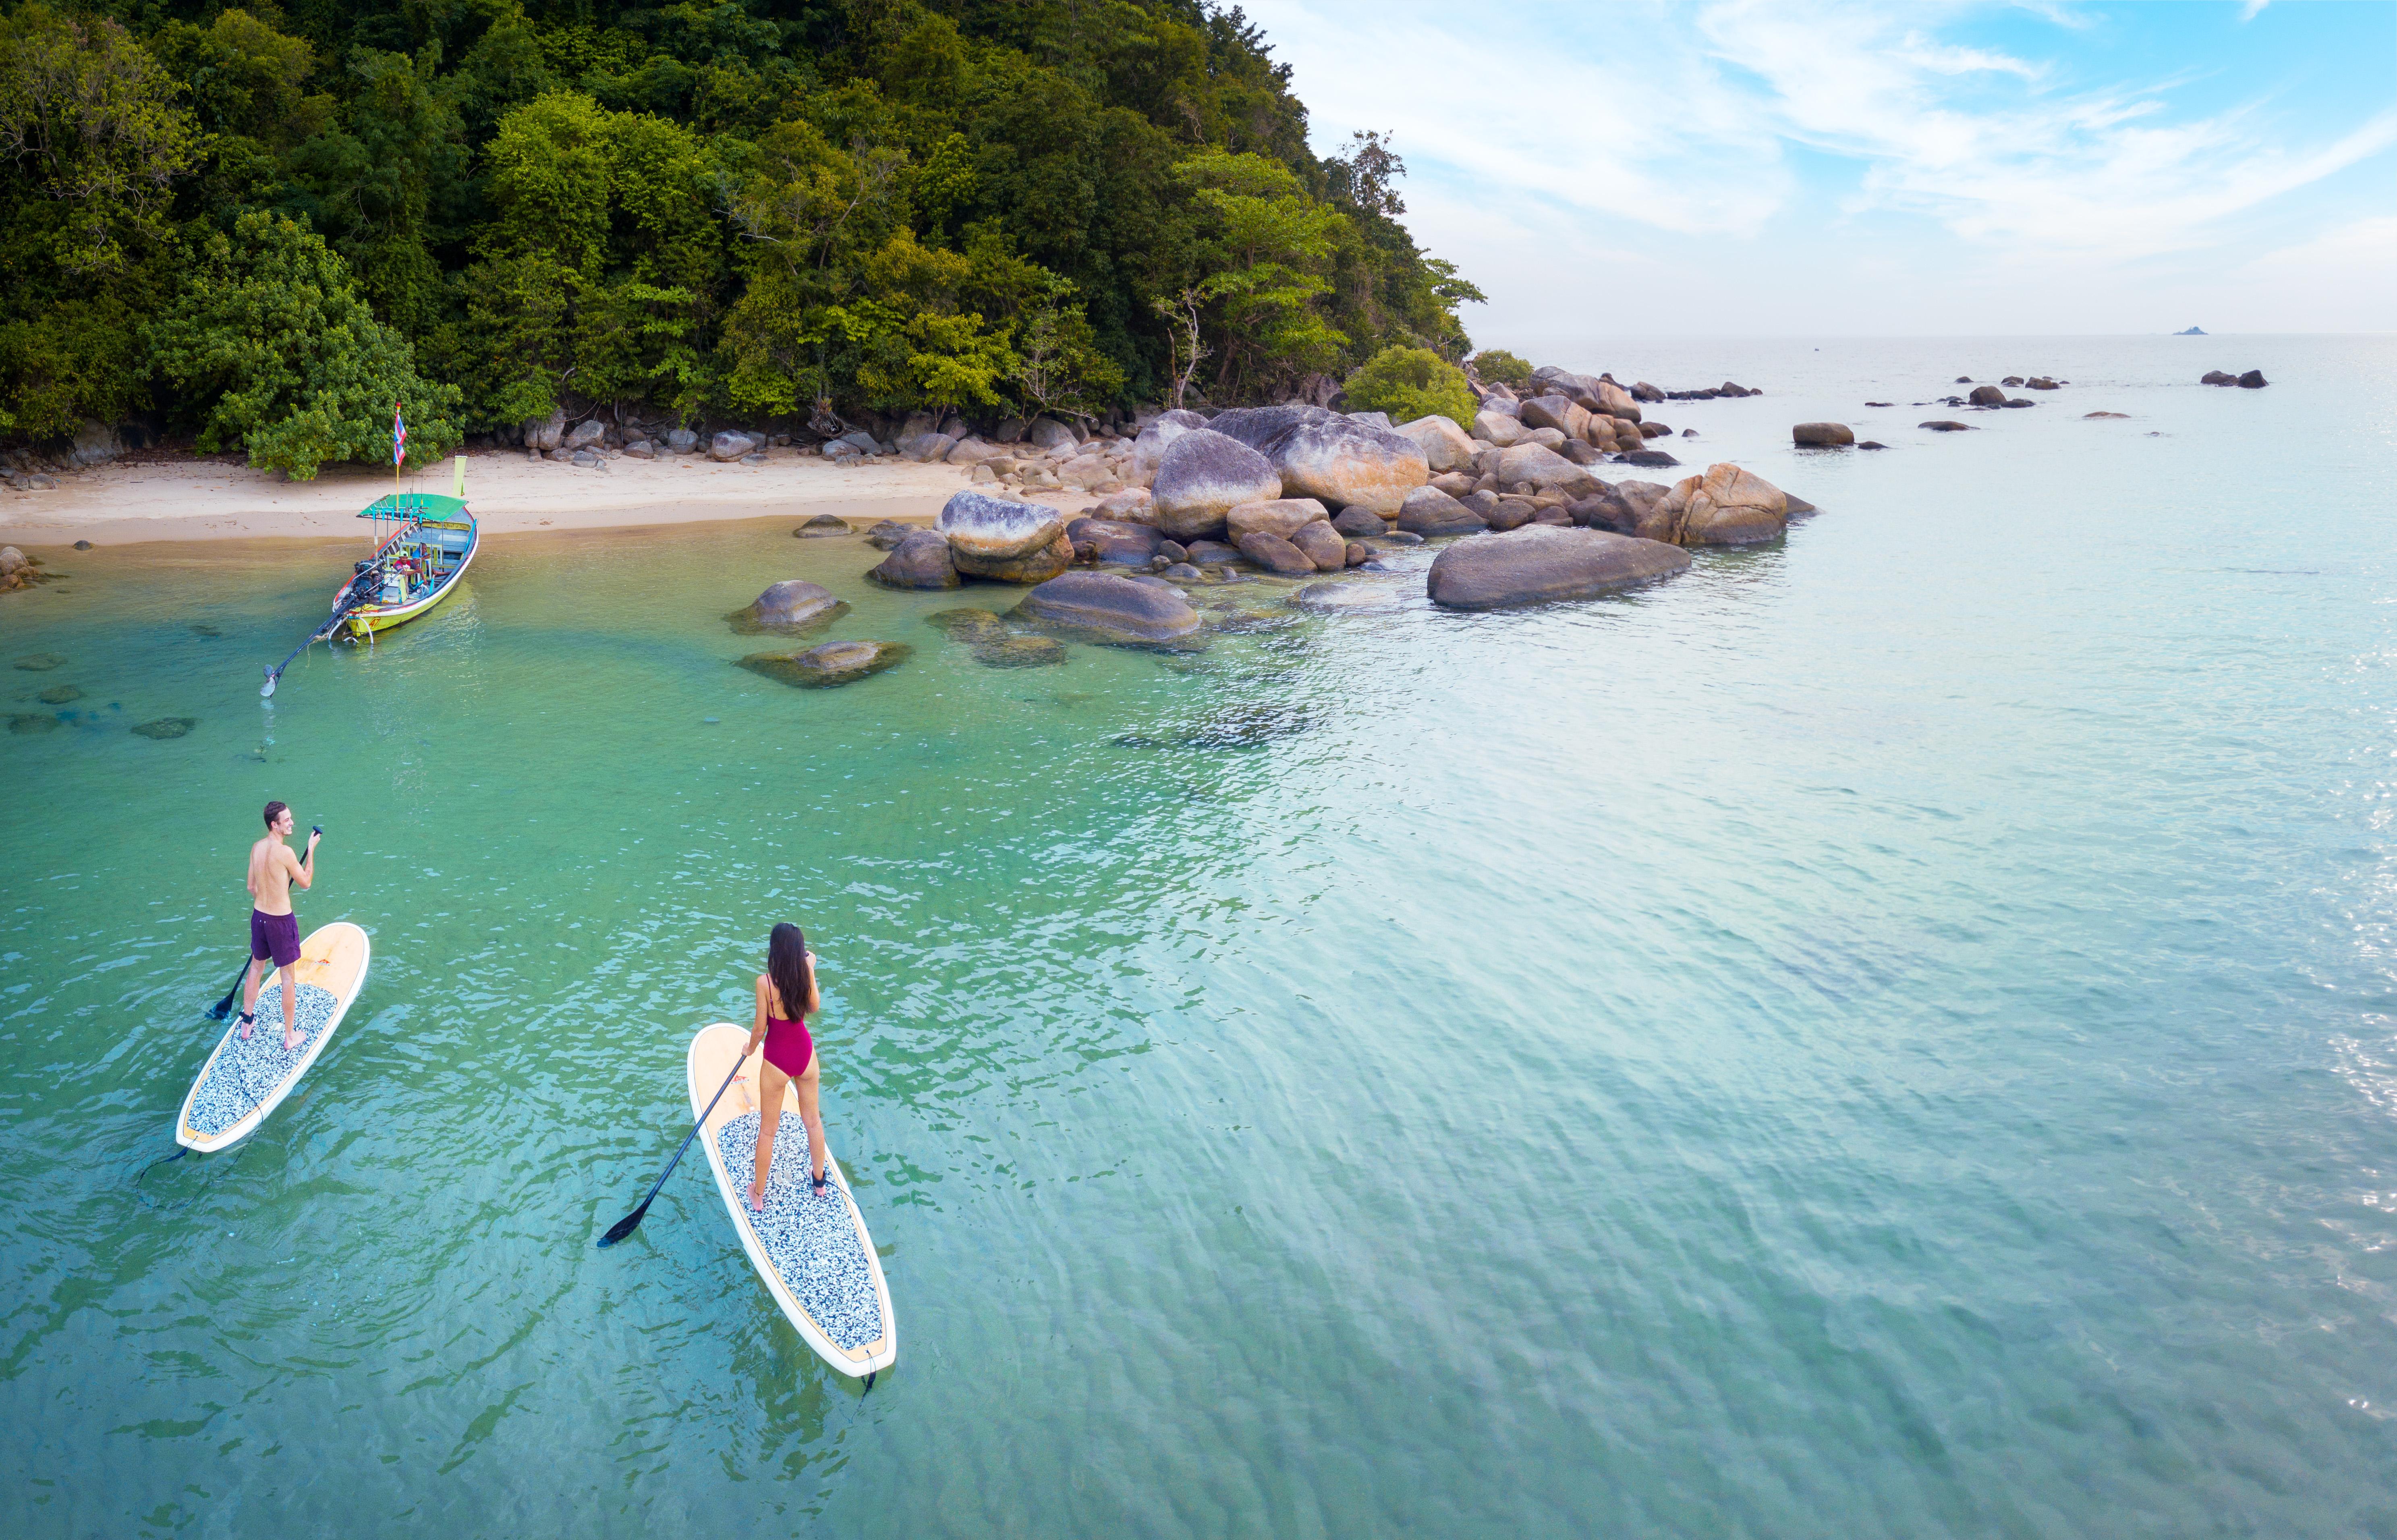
(366, 621)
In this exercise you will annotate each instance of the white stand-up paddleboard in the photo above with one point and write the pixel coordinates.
(244, 1081)
(812, 1249)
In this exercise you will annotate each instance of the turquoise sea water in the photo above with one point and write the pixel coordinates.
(1890, 1034)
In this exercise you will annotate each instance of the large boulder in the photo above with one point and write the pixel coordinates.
(1202, 478)
(920, 559)
(1614, 401)
(1148, 449)
(2253, 379)
(1276, 555)
(973, 451)
(1106, 606)
(790, 605)
(1032, 566)
(833, 663)
(926, 447)
(1561, 413)
(546, 434)
(588, 433)
(1321, 544)
(1432, 514)
(1987, 396)
(1500, 428)
(1282, 516)
(1047, 432)
(1543, 562)
(679, 440)
(1627, 508)
(1823, 435)
(730, 445)
(1444, 445)
(1538, 466)
(1357, 524)
(983, 529)
(1726, 506)
(1333, 459)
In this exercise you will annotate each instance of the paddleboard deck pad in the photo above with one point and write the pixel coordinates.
(810, 1249)
(243, 1082)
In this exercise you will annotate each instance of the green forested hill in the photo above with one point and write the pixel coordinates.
(260, 225)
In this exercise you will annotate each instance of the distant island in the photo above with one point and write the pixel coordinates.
(2193, 331)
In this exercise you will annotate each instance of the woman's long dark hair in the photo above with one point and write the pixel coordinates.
(786, 965)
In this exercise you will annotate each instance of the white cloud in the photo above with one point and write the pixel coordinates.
(1735, 131)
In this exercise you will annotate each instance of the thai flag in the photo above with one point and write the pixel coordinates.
(399, 436)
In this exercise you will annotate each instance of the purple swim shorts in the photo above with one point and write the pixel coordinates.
(275, 936)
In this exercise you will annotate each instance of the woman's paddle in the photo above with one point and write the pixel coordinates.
(632, 1222)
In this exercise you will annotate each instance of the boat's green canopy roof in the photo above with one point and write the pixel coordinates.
(415, 506)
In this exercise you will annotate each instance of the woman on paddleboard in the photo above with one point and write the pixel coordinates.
(786, 997)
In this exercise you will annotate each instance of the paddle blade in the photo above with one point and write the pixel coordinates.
(268, 689)
(623, 1226)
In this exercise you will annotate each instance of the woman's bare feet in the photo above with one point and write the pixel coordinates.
(248, 1025)
(757, 1197)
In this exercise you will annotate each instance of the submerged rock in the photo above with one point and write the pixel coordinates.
(966, 625)
(40, 662)
(1021, 652)
(888, 533)
(831, 664)
(1945, 426)
(1112, 608)
(167, 727)
(821, 526)
(29, 722)
(59, 695)
(1342, 598)
(1541, 563)
(790, 606)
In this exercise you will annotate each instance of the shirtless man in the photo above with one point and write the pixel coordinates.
(274, 929)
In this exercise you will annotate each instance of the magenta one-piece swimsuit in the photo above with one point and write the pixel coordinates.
(788, 1047)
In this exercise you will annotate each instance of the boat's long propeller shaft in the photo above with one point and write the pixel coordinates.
(354, 594)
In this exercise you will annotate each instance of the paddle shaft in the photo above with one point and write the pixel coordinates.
(632, 1222)
(219, 1009)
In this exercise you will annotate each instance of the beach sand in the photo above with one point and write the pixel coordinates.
(164, 497)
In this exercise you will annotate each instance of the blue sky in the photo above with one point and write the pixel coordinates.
(1881, 167)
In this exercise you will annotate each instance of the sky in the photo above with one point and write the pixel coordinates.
(1887, 168)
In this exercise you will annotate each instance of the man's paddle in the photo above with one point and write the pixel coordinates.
(632, 1222)
(223, 1008)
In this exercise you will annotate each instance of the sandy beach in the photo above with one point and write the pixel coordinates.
(165, 497)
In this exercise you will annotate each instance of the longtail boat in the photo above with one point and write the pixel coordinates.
(413, 569)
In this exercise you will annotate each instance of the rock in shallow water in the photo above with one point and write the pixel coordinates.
(1111, 609)
(983, 530)
(40, 662)
(832, 664)
(919, 560)
(821, 526)
(59, 695)
(31, 722)
(966, 625)
(790, 606)
(167, 727)
(1543, 563)
(1021, 652)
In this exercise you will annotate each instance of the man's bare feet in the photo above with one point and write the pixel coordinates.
(757, 1197)
(248, 1025)
(290, 1043)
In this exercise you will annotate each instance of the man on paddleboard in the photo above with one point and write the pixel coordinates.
(274, 929)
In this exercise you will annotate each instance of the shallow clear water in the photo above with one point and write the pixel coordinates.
(1887, 1034)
